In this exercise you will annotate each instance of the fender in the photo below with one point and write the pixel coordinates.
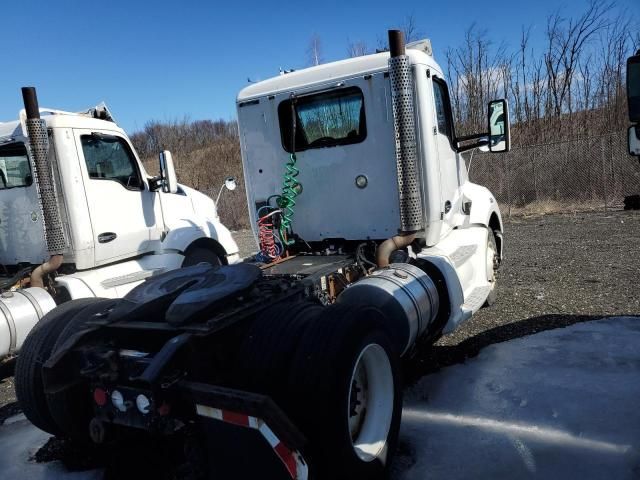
(485, 211)
(186, 233)
(76, 287)
(204, 224)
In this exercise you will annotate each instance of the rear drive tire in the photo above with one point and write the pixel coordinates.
(265, 355)
(71, 408)
(197, 255)
(35, 351)
(345, 394)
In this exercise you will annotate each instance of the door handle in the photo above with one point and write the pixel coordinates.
(106, 237)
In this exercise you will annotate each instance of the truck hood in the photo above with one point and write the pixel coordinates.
(202, 204)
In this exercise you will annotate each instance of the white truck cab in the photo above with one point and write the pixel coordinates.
(376, 157)
(118, 225)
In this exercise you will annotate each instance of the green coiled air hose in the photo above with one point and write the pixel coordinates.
(288, 198)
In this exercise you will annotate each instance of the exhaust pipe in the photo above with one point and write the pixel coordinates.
(42, 176)
(386, 248)
(411, 219)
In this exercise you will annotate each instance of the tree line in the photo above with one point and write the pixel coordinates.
(571, 85)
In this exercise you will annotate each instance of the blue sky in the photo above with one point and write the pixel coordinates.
(163, 60)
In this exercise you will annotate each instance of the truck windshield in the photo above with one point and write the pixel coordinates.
(324, 120)
(15, 170)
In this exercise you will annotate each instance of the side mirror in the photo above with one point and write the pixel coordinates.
(633, 87)
(230, 184)
(634, 140)
(499, 131)
(168, 173)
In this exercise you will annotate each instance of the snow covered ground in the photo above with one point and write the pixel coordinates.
(558, 404)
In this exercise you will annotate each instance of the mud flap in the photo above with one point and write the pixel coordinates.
(247, 435)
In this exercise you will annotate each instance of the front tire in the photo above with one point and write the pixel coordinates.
(345, 393)
(197, 255)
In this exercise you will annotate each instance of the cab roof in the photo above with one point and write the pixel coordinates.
(13, 130)
(328, 73)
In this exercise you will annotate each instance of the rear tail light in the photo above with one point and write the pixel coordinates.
(100, 397)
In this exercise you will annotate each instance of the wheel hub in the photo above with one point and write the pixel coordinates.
(370, 403)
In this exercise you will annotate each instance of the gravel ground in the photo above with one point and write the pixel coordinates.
(558, 270)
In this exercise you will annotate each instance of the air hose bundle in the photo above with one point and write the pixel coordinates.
(270, 247)
(288, 199)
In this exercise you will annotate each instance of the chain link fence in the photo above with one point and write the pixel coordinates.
(584, 173)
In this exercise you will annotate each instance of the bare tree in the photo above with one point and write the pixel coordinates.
(357, 49)
(566, 41)
(410, 29)
(314, 51)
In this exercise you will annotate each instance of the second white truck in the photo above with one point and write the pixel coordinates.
(80, 217)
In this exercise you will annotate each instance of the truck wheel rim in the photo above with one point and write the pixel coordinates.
(492, 263)
(370, 406)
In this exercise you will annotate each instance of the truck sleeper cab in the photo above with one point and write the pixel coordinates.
(372, 243)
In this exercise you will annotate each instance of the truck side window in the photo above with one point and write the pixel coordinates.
(110, 158)
(15, 169)
(441, 97)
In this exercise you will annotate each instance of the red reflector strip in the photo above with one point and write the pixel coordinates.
(235, 418)
(287, 458)
(292, 460)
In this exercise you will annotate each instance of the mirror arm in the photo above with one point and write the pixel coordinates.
(471, 146)
(475, 136)
(155, 183)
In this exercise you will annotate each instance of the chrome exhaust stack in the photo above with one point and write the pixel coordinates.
(43, 178)
(411, 218)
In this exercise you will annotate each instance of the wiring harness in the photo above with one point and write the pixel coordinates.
(270, 247)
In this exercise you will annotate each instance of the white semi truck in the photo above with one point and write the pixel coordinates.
(80, 217)
(372, 243)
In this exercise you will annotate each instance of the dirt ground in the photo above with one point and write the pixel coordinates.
(558, 270)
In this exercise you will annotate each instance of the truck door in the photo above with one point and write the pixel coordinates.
(450, 180)
(121, 207)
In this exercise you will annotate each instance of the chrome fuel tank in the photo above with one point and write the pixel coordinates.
(407, 296)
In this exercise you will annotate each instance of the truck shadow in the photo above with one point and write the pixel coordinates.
(431, 358)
